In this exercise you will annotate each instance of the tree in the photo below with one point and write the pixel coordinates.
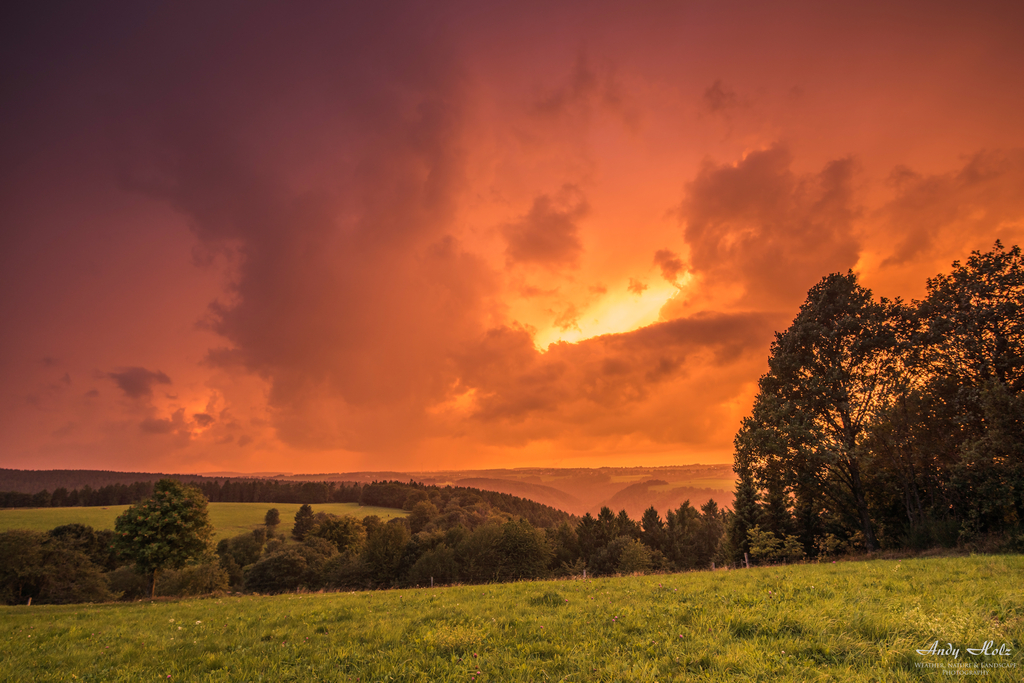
(343, 532)
(745, 513)
(303, 522)
(423, 512)
(385, 544)
(272, 519)
(653, 529)
(829, 375)
(523, 550)
(973, 329)
(168, 531)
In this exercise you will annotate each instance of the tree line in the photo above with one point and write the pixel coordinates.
(380, 494)
(886, 424)
(450, 535)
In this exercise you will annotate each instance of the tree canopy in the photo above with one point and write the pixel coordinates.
(167, 531)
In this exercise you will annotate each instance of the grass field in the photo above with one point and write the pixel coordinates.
(851, 621)
(229, 519)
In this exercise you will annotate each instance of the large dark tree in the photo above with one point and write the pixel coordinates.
(829, 374)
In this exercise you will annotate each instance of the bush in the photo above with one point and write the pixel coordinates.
(276, 573)
(438, 563)
(70, 576)
(348, 571)
(289, 569)
(635, 558)
(127, 584)
(201, 579)
(767, 547)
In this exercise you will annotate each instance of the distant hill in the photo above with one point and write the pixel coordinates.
(546, 495)
(636, 498)
(574, 490)
(34, 481)
(578, 490)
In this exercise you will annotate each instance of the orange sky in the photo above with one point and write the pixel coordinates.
(436, 235)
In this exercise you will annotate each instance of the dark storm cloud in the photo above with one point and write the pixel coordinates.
(323, 152)
(774, 232)
(138, 382)
(549, 234)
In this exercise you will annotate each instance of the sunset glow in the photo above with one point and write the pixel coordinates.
(264, 237)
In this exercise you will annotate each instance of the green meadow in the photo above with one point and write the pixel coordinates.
(228, 519)
(849, 621)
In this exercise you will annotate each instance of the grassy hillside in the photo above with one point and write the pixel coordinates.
(855, 621)
(229, 519)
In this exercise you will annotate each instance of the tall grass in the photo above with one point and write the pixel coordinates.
(851, 621)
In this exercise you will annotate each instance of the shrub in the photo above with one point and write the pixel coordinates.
(201, 579)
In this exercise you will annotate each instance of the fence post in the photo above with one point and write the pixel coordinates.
(431, 581)
(746, 560)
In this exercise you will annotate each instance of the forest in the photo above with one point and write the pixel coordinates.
(879, 425)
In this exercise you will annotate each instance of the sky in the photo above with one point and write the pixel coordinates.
(328, 237)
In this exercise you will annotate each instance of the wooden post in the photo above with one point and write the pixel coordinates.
(431, 581)
(746, 560)
(584, 572)
(712, 565)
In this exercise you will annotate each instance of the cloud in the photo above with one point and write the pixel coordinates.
(203, 419)
(719, 99)
(772, 233)
(136, 382)
(588, 89)
(175, 425)
(636, 286)
(569, 318)
(349, 285)
(612, 384)
(670, 263)
(943, 215)
(153, 425)
(548, 235)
